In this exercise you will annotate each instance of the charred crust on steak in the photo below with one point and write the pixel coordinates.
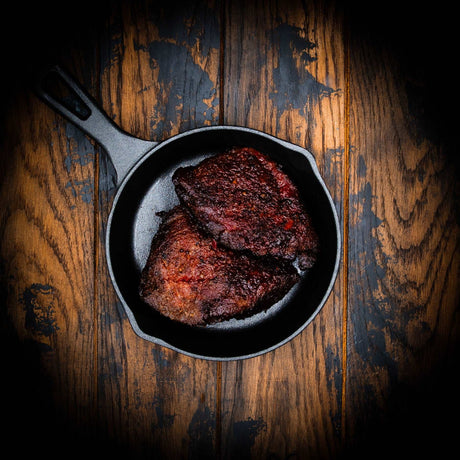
(227, 250)
(189, 278)
(247, 203)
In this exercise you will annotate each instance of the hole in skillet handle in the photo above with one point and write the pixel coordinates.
(53, 84)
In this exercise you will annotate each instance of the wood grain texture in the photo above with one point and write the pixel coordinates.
(367, 94)
(403, 251)
(283, 74)
(159, 76)
(47, 197)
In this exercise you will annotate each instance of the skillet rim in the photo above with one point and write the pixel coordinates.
(139, 163)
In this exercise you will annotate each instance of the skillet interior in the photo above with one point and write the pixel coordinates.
(148, 189)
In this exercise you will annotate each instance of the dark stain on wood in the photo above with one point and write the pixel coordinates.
(163, 420)
(369, 317)
(79, 148)
(334, 385)
(81, 189)
(294, 85)
(194, 24)
(160, 357)
(202, 433)
(244, 434)
(38, 300)
(191, 95)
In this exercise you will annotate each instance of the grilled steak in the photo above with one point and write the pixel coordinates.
(189, 278)
(244, 200)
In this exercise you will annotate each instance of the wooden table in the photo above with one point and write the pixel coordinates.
(366, 93)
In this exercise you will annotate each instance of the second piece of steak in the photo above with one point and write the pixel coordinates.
(189, 278)
(244, 200)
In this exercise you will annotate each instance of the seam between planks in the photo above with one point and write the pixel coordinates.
(346, 223)
(222, 61)
(96, 239)
(218, 409)
(95, 279)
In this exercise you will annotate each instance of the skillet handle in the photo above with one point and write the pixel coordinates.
(78, 107)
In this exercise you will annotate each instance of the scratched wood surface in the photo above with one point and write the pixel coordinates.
(267, 56)
(403, 258)
(374, 372)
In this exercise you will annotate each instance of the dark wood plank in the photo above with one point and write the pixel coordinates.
(47, 253)
(403, 245)
(159, 76)
(284, 74)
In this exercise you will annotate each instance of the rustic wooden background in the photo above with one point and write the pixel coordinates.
(370, 90)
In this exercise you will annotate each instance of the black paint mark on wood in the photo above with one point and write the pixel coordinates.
(38, 301)
(334, 385)
(163, 419)
(378, 320)
(244, 435)
(333, 164)
(201, 431)
(371, 302)
(294, 86)
(190, 96)
(113, 54)
(160, 358)
(79, 148)
(193, 25)
(82, 188)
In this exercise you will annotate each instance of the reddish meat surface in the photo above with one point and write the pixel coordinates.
(246, 202)
(189, 278)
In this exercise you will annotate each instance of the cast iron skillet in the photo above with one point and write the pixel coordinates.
(144, 171)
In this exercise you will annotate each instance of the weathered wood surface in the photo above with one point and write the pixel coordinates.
(286, 88)
(373, 373)
(403, 270)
